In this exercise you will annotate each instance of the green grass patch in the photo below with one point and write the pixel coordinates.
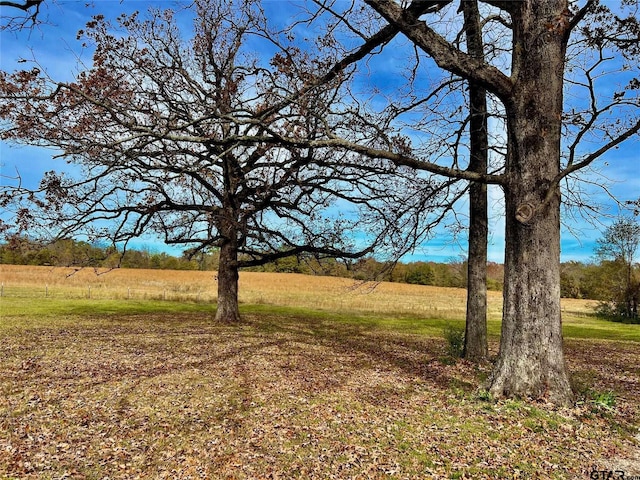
(51, 307)
(15, 311)
(600, 329)
(574, 327)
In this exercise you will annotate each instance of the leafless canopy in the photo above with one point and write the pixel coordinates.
(205, 142)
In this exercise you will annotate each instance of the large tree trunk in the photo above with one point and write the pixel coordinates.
(228, 311)
(475, 338)
(531, 361)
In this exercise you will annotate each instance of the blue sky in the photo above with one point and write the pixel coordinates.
(56, 49)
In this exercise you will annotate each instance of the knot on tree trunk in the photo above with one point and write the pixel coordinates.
(525, 212)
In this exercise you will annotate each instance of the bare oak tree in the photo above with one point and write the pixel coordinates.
(530, 88)
(187, 139)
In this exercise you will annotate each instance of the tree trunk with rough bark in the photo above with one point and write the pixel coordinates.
(475, 338)
(228, 311)
(531, 361)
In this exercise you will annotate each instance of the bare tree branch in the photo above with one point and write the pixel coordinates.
(14, 22)
(444, 54)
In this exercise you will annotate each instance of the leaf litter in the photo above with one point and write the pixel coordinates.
(176, 396)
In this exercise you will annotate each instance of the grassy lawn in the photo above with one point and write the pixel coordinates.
(153, 389)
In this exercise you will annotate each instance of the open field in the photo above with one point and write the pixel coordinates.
(400, 306)
(320, 381)
(294, 290)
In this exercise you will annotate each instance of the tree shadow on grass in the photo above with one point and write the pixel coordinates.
(311, 354)
(411, 355)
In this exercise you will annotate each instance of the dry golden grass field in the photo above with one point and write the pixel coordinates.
(284, 289)
(322, 379)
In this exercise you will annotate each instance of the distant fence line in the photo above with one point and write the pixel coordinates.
(103, 293)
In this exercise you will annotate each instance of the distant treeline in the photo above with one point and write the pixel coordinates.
(578, 280)
(70, 252)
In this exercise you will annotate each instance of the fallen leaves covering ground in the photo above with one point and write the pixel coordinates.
(176, 396)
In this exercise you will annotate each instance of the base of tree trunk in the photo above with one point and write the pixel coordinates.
(517, 380)
(228, 277)
(475, 355)
(227, 315)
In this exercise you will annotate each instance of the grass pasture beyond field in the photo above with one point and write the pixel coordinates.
(321, 380)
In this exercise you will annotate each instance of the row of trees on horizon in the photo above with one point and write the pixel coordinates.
(80, 254)
(598, 279)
